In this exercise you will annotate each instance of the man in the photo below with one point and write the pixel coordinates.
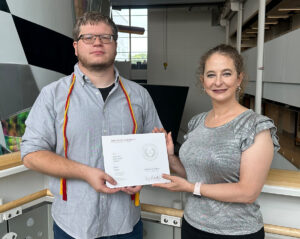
(63, 136)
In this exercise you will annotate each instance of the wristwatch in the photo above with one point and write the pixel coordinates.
(197, 189)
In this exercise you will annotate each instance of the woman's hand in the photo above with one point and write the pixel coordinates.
(169, 140)
(177, 184)
(174, 161)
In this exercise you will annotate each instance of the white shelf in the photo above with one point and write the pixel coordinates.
(287, 191)
(11, 171)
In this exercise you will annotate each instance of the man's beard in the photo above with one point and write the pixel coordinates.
(95, 66)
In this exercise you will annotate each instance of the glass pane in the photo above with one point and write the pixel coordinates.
(122, 56)
(139, 57)
(121, 20)
(139, 44)
(123, 45)
(123, 35)
(139, 12)
(121, 12)
(139, 21)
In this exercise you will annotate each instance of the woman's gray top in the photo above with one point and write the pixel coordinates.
(212, 156)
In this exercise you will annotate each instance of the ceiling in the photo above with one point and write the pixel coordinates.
(163, 3)
(279, 20)
(82, 6)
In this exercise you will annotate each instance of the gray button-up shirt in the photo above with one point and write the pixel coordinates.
(87, 213)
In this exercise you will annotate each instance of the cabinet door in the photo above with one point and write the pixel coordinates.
(156, 230)
(33, 224)
(3, 229)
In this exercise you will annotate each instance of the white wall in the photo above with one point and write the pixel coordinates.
(281, 76)
(189, 34)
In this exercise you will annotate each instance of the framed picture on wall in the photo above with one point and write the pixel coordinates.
(13, 130)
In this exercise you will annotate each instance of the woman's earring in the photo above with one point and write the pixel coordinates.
(239, 89)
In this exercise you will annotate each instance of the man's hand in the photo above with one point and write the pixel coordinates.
(97, 179)
(131, 190)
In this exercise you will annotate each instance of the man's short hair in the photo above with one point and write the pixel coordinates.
(94, 18)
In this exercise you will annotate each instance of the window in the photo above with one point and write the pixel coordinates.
(132, 47)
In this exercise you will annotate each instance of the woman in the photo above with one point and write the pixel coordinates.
(226, 156)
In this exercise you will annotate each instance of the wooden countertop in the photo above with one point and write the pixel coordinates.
(276, 177)
(283, 178)
(10, 160)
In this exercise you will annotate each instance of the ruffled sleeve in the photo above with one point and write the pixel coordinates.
(256, 124)
(193, 123)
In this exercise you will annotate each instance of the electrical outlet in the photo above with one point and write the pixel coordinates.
(12, 213)
(170, 220)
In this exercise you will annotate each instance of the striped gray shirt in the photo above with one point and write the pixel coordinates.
(87, 213)
(212, 156)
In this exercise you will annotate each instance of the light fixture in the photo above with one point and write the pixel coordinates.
(131, 29)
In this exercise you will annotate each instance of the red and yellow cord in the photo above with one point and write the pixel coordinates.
(135, 197)
(63, 183)
(134, 129)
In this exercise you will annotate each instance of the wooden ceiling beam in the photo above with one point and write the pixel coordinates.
(278, 16)
(271, 22)
(289, 9)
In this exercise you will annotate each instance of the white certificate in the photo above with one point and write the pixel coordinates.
(135, 159)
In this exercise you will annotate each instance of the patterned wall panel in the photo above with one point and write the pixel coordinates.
(10, 45)
(18, 89)
(4, 6)
(47, 45)
(44, 76)
(36, 49)
(46, 48)
(56, 15)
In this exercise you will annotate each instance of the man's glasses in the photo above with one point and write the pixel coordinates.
(91, 38)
